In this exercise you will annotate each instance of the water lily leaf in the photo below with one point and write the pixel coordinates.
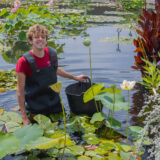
(56, 117)
(108, 145)
(10, 117)
(135, 131)
(56, 87)
(1, 111)
(113, 123)
(114, 156)
(42, 143)
(46, 124)
(98, 117)
(12, 126)
(28, 133)
(110, 90)
(92, 91)
(126, 148)
(126, 156)
(98, 157)
(84, 158)
(76, 150)
(8, 144)
(22, 35)
(91, 153)
(108, 100)
(91, 138)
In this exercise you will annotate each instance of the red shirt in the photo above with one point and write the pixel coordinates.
(24, 67)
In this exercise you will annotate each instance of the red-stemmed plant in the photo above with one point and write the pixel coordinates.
(148, 42)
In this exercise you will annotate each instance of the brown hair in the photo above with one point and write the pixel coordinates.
(36, 30)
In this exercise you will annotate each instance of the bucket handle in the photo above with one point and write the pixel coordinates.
(83, 84)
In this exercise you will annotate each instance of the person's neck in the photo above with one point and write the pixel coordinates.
(38, 52)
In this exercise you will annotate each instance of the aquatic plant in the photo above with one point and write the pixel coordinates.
(17, 4)
(128, 85)
(151, 80)
(57, 88)
(87, 43)
(147, 43)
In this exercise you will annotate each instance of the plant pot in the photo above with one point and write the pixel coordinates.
(75, 94)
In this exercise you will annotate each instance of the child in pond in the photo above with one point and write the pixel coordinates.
(36, 71)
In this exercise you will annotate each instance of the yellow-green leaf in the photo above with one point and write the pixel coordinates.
(56, 87)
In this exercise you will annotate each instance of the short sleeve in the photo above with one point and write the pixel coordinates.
(23, 67)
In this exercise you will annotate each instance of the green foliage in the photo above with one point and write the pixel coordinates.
(113, 123)
(8, 144)
(96, 89)
(8, 79)
(152, 75)
(97, 117)
(28, 133)
(17, 23)
(132, 4)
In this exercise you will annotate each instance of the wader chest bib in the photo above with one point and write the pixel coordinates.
(39, 97)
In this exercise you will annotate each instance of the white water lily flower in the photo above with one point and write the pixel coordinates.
(128, 85)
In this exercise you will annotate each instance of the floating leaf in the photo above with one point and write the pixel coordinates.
(91, 153)
(46, 124)
(126, 156)
(98, 117)
(12, 126)
(135, 131)
(10, 117)
(126, 148)
(114, 156)
(28, 133)
(56, 87)
(113, 123)
(8, 144)
(84, 158)
(42, 143)
(93, 91)
(91, 138)
(76, 150)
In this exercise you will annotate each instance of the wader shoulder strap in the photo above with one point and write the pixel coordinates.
(53, 57)
(31, 61)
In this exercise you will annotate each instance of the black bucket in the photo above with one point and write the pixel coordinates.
(75, 94)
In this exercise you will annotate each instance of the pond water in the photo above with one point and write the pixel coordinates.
(111, 63)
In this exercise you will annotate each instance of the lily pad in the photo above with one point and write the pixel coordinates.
(121, 40)
(46, 124)
(84, 158)
(8, 144)
(76, 150)
(114, 156)
(91, 138)
(56, 87)
(113, 123)
(98, 117)
(28, 133)
(93, 91)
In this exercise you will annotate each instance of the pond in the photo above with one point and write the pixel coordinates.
(111, 62)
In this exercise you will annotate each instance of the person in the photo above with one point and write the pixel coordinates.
(36, 71)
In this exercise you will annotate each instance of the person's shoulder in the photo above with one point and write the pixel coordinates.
(51, 50)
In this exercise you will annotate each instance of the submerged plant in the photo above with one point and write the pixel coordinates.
(57, 88)
(128, 85)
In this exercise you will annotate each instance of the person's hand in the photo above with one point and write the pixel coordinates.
(81, 78)
(26, 122)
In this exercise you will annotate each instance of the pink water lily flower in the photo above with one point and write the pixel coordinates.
(158, 63)
(17, 4)
(50, 4)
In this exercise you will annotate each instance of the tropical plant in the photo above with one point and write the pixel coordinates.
(151, 80)
(147, 45)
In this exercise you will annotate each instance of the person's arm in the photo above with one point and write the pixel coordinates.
(65, 74)
(21, 97)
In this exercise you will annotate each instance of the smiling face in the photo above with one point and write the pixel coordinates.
(38, 41)
(37, 36)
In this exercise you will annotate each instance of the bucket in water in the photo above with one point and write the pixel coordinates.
(75, 94)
